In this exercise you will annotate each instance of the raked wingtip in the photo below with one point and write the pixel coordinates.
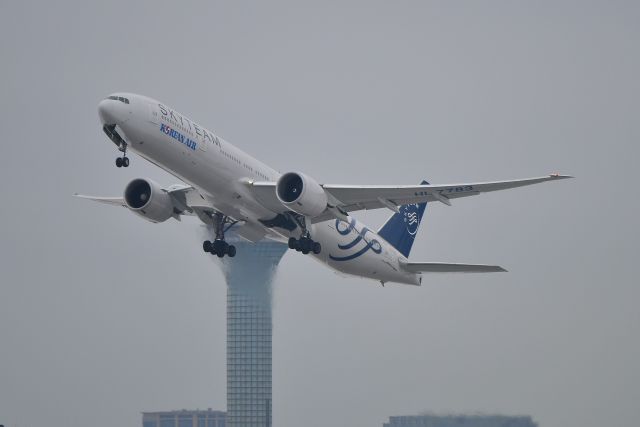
(559, 176)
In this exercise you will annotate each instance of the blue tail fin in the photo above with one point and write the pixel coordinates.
(400, 230)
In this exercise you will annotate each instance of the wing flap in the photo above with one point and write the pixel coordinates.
(443, 267)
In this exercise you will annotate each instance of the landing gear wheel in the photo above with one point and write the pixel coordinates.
(122, 147)
(305, 245)
(206, 246)
(231, 251)
(293, 242)
(219, 247)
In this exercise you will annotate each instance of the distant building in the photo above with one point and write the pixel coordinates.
(460, 421)
(185, 418)
(249, 342)
(249, 331)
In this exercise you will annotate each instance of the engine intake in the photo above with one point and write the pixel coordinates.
(301, 194)
(147, 199)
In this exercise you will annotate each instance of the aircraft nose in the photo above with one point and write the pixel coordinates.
(107, 110)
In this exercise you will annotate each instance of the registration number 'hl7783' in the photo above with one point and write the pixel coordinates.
(446, 191)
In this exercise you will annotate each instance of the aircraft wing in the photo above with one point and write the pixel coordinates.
(113, 201)
(180, 194)
(187, 200)
(349, 198)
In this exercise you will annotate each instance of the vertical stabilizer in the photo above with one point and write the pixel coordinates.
(401, 228)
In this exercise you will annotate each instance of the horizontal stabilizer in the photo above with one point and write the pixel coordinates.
(443, 267)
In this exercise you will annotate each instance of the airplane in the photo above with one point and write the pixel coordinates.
(231, 191)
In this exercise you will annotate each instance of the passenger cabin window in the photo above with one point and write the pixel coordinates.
(118, 98)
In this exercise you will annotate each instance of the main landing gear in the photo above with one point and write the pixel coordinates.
(305, 243)
(122, 162)
(219, 247)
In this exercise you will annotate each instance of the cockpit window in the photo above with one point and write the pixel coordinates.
(118, 98)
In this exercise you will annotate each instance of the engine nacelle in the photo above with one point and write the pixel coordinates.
(301, 194)
(147, 199)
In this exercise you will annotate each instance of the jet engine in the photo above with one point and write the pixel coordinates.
(301, 194)
(147, 199)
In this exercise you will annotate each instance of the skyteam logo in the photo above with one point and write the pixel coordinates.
(167, 130)
(411, 218)
(344, 229)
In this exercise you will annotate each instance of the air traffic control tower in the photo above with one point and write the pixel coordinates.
(249, 278)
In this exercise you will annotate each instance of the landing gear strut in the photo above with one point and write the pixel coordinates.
(219, 247)
(112, 133)
(305, 243)
(124, 160)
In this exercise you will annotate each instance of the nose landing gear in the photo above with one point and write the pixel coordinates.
(112, 133)
(219, 246)
(123, 162)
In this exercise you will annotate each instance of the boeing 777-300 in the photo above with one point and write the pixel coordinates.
(230, 190)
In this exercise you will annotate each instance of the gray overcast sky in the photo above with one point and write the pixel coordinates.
(103, 315)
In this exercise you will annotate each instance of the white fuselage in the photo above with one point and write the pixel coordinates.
(220, 171)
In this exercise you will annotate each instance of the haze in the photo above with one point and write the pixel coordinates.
(103, 315)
